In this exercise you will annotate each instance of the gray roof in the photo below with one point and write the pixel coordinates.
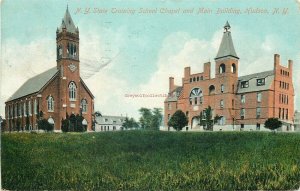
(267, 75)
(226, 48)
(68, 23)
(110, 120)
(34, 84)
(174, 95)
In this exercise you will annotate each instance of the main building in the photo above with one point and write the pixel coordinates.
(242, 102)
(55, 93)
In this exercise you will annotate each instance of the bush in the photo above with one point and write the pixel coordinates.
(273, 123)
(43, 124)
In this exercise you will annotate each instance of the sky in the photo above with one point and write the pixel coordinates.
(124, 51)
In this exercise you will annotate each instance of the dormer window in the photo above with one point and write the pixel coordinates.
(260, 82)
(245, 84)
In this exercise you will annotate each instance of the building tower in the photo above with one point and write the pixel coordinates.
(226, 71)
(67, 41)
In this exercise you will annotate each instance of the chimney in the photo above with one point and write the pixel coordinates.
(207, 69)
(276, 60)
(187, 72)
(290, 68)
(171, 84)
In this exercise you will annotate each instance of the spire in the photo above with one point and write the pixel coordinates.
(67, 23)
(226, 47)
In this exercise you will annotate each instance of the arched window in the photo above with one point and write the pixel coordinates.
(84, 105)
(50, 103)
(222, 69)
(233, 68)
(59, 51)
(222, 88)
(196, 94)
(212, 90)
(72, 91)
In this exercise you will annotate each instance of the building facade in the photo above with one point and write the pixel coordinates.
(242, 102)
(109, 123)
(55, 93)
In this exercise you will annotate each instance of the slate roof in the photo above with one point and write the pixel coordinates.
(174, 95)
(267, 75)
(226, 47)
(110, 120)
(34, 84)
(68, 23)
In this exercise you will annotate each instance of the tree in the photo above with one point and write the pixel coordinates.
(156, 118)
(150, 119)
(206, 119)
(273, 123)
(145, 119)
(130, 123)
(178, 120)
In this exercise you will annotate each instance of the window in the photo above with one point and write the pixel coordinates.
(233, 68)
(169, 117)
(35, 107)
(211, 90)
(72, 91)
(243, 98)
(232, 103)
(242, 113)
(29, 108)
(195, 94)
(84, 105)
(197, 78)
(257, 127)
(279, 114)
(187, 114)
(222, 120)
(24, 109)
(201, 78)
(287, 114)
(50, 103)
(245, 84)
(106, 120)
(222, 69)
(222, 103)
(242, 127)
(258, 112)
(191, 79)
(114, 128)
(260, 82)
(259, 97)
(194, 79)
(222, 88)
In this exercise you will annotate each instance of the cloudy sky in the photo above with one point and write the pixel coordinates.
(123, 51)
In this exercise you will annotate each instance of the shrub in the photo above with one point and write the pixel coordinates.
(273, 123)
(43, 124)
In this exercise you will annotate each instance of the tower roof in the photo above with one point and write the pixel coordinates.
(226, 47)
(68, 23)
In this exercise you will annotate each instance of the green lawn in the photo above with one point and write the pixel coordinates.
(147, 160)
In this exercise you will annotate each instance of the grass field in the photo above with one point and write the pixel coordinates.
(147, 160)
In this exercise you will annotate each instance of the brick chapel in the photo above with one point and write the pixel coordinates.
(57, 92)
(242, 102)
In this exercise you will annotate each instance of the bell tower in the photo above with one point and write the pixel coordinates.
(226, 73)
(67, 50)
(226, 59)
